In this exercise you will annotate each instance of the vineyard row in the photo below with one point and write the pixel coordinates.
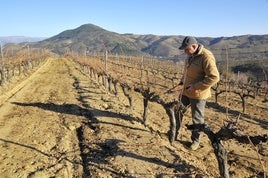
(146, 77)
(20, 63)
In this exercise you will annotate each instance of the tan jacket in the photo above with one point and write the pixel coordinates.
(201, 73)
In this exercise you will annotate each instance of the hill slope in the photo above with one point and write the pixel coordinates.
(90, 38)
(93, 38)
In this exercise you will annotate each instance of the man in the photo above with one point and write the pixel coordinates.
(200, 74)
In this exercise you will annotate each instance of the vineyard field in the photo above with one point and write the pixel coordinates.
(61, 120)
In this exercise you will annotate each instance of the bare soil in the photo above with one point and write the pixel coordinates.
(58, 122)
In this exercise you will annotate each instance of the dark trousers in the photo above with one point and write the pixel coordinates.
(197, 110)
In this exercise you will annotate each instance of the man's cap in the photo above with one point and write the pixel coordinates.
(188, 40)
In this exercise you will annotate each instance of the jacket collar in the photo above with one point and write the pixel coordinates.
(197, 52)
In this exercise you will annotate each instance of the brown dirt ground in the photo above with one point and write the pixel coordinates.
(58, 122)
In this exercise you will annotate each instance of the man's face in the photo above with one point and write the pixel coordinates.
(190, 49)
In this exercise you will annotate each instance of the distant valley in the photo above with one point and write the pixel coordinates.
(19, 39)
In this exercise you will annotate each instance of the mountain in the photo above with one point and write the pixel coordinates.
(91, 38)
(19, 39)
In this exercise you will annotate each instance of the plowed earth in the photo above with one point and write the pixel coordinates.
(58, 122)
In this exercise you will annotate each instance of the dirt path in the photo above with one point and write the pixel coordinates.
(60, 123)
(37, 131)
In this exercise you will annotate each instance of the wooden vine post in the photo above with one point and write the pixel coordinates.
(28, 58)
(3, 79)
(106, 70)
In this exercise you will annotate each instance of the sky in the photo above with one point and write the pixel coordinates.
(199, 18)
